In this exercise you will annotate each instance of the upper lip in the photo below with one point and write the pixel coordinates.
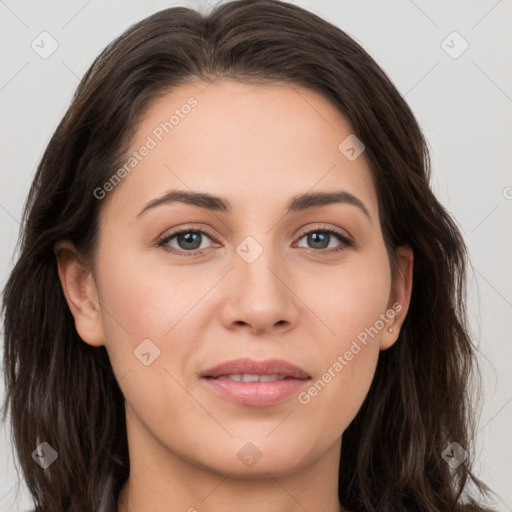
(250, 366)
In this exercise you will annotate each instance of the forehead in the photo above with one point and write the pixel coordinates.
(250, 143)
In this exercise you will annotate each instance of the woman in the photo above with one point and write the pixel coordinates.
(236, 290)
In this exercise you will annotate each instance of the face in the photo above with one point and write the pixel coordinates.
(184, 287)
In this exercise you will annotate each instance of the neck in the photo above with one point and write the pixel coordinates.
(164, 480)
(185, 487)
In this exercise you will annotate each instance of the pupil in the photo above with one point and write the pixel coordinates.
(188, 239)
(322, 237)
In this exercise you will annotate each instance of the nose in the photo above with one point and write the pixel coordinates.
(259, 296)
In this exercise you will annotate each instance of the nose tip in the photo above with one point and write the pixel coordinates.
(261, 329)
(260, 299)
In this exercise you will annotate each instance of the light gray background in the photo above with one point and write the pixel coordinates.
(464, 106)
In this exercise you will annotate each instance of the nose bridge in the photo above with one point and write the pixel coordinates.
(260, 296)
(257, 264)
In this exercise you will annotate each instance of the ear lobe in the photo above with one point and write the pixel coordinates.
(79, 288)
(399, 297)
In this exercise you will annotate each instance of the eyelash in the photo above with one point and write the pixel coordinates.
(345, 242)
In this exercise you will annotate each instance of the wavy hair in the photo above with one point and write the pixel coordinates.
(63, 391)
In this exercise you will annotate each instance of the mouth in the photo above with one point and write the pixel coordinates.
(247, 377)
(255, 383)
(269, 367)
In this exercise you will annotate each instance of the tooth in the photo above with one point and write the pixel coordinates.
(270, 378)
(232, 377)
(247, 377)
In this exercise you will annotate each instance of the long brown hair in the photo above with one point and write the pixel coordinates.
(62, 391)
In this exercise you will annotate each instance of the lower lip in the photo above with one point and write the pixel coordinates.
(255, 393)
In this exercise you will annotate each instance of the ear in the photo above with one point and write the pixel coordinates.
(399, 297)
(81, 294)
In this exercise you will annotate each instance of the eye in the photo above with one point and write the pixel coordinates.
(321, 238)
(189, 242)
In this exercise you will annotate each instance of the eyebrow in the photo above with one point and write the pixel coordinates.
(298, 203)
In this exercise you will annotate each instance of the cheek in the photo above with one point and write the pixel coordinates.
(346, 364)
(356, 298)
(165, 306)
(146, 301)
(352, 298)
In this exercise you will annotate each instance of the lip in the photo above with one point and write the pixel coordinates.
(266, 367)
(255, 393)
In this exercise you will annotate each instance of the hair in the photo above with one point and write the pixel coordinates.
(63, 391)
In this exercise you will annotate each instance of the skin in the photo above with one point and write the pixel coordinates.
(256, 146)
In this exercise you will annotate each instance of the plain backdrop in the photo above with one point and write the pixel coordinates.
(462, 100)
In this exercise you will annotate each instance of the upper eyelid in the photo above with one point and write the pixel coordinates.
(186, 229)
(333, 230)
